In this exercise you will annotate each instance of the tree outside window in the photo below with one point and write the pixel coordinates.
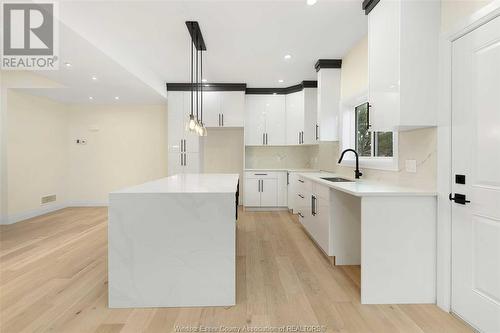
(371, 144)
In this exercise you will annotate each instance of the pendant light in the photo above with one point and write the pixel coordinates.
(195, 123)
(192, 123)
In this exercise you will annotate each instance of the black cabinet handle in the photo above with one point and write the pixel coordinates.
(300, 214)
(300, 180)
(313, 205)
(317, 131)
(459, 198)
(288, 178)
(300, 195)
(260, 174)
(223, 120)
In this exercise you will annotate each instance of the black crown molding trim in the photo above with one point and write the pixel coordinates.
(207, 86)
(368, 5)
(196, 36)
(328, 63)
(282, 91)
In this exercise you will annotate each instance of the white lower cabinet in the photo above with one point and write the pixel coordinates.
(265, 189)
(313, 206)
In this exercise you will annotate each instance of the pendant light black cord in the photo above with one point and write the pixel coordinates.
(201, 84)
(197, 87)
(192, 42)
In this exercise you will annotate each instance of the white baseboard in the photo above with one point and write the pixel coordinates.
(45, 209)
(87, 203)
(10, 219)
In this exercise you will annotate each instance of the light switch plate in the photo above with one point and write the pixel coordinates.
(411, 166)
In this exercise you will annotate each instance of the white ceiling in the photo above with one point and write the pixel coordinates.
(148, 42)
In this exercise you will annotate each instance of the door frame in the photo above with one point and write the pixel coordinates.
(444, 164)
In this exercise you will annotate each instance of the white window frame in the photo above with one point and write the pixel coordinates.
(348, 138)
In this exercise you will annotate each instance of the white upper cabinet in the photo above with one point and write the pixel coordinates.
(294, 117)
(403, 39)
(328, 99)
(232, 108)
(301, 117)
(223, 108)
(311, 126)
(265, 120)
(211, 108)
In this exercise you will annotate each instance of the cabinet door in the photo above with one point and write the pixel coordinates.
(269, 193)
(383, 65)
(175, 120)
(255, 120)
(232, 108)
(292, 192)
(294, 104)
(311, 133)
(252, 192)
(322, 224)
(192, 163)
(175, 164)
(211, 108)
(275, 119)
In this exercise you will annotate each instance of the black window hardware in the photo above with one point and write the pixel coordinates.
(459, 198)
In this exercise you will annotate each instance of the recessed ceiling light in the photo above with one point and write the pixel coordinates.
(94, 78)
(287, 57)
(280, 81)
(117, 97)
(204, 80)
(68, 64)
(91, 98)
(311, 2)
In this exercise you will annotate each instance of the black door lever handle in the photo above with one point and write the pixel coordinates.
(459, 198)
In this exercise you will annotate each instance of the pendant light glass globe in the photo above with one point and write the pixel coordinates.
(192, 123)
(203, 131)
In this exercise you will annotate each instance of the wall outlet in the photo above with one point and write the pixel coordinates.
(81, 141)
(411, 166)
(48, 198)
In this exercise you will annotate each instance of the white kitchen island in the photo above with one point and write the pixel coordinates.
(172, 242)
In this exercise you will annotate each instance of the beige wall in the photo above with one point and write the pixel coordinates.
(126, 145)
(37, 152)
(354, 72)
(454, 11)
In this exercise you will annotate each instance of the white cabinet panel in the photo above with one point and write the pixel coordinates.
(192, 163)
(265, 120)
(232, 108)
(275, 120)
(403, 75)
(252, 192)
(294, 117)
(175, 164)
(328, 104)
(269, 193)
(175, 117)
(211, 108)
(322, 224)
(310, 124)
(255, 122)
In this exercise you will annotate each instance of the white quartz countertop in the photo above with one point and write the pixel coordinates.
(362, 187)
(187, 183)
(282, 169)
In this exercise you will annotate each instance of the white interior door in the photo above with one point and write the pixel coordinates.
(476, 155)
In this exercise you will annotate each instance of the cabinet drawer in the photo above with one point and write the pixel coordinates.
(264, 174)
(321, 191)
(304, 185)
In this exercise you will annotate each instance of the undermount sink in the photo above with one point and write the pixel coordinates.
(337, 179)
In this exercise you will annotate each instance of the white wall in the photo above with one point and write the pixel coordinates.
(126, 145)
(37, 157)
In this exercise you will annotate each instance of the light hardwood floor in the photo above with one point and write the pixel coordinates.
(54, 278)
